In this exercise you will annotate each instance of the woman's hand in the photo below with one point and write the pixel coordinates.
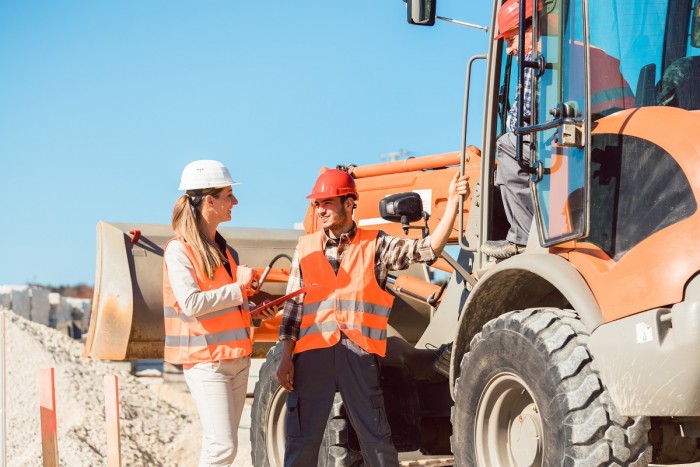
(244, 277)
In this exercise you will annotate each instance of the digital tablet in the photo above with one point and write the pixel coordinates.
(283, 298)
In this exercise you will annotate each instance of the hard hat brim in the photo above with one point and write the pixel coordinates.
(505, 33)
(355, 196)
(322, 196)
(185, 188)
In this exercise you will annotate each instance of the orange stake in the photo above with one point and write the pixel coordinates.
(114, 455)
(47, 406)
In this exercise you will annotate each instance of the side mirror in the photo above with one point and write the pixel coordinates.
(695, 30)
(404, 208)
(420, 12)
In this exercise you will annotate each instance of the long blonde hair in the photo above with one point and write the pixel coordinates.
(187, 223)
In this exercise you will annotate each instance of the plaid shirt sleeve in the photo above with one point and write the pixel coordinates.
(395, 254)
(294, 307)
(527, 99)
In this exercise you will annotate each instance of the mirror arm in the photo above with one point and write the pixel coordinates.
(406, 226)
(462, 23)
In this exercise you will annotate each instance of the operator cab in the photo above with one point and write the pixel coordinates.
(635, 54)
(593, 60)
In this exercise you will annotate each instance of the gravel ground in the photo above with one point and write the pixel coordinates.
(159, 423)
(154, 431)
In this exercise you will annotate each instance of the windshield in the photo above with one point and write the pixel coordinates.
(644, 48)
(641, 53)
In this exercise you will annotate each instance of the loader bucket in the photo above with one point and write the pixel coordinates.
(126, 322)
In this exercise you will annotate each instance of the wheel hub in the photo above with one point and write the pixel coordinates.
(526, 436)
(508, 429)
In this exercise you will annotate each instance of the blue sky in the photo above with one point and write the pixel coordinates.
(103, 103)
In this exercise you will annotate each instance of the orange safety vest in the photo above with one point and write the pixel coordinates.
(610, 92)
(351, 301)
(220, 335)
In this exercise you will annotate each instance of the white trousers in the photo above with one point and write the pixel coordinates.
(219, 390)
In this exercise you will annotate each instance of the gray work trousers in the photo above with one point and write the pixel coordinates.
(514, 184)
(318, 374)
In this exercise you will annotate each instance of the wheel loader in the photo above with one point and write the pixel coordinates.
(581, 350)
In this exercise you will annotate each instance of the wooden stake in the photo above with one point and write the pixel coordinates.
(47, 407)
(114, 456)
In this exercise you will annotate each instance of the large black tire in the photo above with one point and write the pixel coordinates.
(267, 423)
(529, 395)
(335, 449)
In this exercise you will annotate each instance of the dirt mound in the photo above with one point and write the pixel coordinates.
(154, 432)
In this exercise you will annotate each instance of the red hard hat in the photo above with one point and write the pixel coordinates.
(332, 183)
(509, 16)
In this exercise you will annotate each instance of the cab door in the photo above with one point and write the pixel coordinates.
(559, 131)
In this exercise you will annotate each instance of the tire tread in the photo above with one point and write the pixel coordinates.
(597, 435)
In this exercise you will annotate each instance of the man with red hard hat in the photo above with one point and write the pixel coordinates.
(513, 181)
(333, 336)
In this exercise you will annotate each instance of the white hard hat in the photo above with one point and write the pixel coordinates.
(202, 174)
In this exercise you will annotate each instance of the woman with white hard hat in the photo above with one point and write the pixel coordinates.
(207, 317)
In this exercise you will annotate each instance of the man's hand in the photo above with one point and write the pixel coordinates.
(459, 186)
(267, 313)
(285, 372)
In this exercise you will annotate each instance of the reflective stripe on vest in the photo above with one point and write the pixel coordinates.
(206, 340)
(351, 301)
(332, 326)
(610, 92)
(220, 335)
(363, 307)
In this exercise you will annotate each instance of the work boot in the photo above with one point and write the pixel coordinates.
(501, 249)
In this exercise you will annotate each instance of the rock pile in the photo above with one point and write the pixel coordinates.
(154, 432)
